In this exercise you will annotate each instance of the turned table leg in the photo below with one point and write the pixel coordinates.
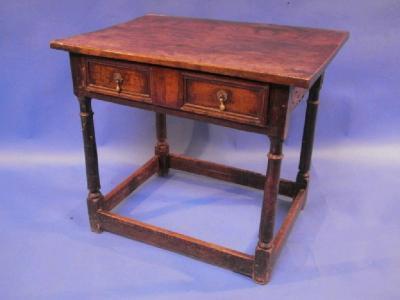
(308, 135)
(262, 260)
(95, 197)
(162, 147)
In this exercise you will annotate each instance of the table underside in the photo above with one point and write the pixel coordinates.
(258, 266)
(211, 253)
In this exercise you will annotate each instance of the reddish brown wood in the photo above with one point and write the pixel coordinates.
(126, 187)
(226, 173)
(165, 84)
(262, 264)
(296, 95)
(271, 191)
(166, 87)
(246, 102)
(278, 111)
(112, 77)
(77, 63)
(95, 198)
(266, 255)
(245, 76)
(211, 253)
(185, 114)
(259, 266)
(308, 134)
(94, 203)
(268, 210)
(283, 233)
(270, 53)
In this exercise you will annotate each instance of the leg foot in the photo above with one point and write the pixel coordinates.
(262, 258)
(262, 264)
(95, 197)
(94, 204)
(162, 151)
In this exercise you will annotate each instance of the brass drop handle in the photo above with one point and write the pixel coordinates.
(222, 97)
(117, 77)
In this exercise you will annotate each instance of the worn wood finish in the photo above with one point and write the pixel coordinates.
(231, 174)
(166, 87)
(89, 142)
(178, 92)
(270, 53)
(267, 130)
(244, 101)
(95, 198)
(296, 95)
(111, 77)
(132, 182)
(237, 261)
(214, 254)
(308, 134)
(283, 233)
(271, 191)
(266, 255)
(240, 75)
(268, 210)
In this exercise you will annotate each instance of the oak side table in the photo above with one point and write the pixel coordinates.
(241, 75)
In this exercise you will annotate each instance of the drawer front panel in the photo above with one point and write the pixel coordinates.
(125, 80)
(211, 96)
(235, 100)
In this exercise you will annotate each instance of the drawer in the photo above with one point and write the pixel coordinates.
(226, 98)
(125, 80)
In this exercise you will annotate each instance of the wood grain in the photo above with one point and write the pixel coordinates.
(284, 230)
(227, 173)
(163, 238)
(246, 101)
(185, 114)
(135, 78)
(264, 52)
(177, 66)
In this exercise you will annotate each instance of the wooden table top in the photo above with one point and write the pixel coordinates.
(262, 52)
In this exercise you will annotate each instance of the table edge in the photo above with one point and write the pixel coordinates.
(304, 82)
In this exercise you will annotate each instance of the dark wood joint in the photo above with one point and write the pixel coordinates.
(94, 203)
(162, 147)
(162, 151)
(302, 180)
(78, 74)
(278, 111)
(262, 263)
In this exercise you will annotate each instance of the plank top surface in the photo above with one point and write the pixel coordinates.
(262, 52)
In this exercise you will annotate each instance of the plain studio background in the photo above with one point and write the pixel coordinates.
(346, 242)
